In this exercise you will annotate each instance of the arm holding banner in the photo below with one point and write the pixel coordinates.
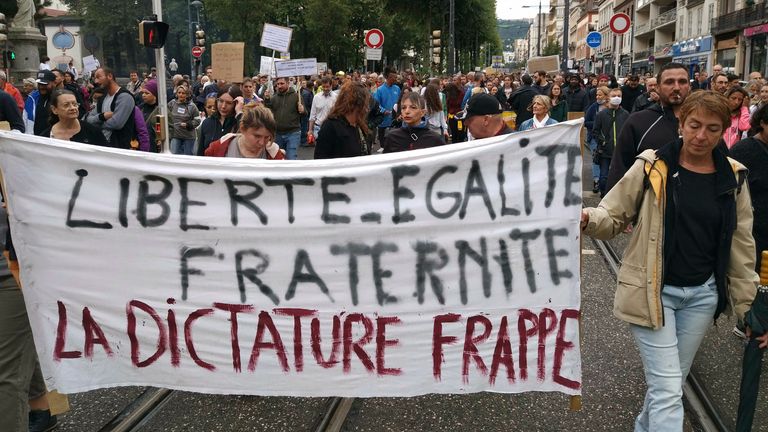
(619, 207)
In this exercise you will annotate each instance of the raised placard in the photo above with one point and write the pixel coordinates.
(276, 37)
(227, 59)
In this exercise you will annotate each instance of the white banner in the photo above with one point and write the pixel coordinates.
(296, 67)
(267, 66)
(448, 270)
(276, 37)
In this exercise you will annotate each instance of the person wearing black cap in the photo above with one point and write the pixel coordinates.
(483, 117)
(46, 82)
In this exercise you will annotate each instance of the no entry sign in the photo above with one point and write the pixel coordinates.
(197, 51)
(620, 23)
(374, 38)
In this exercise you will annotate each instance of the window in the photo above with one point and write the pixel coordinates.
(699, 14)
(690, 23)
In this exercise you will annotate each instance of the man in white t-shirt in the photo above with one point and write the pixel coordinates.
(321, 107)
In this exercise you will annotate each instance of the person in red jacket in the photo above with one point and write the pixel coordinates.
(256, 138)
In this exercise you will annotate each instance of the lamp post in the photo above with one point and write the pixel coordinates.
(538, 29)
(197, 4)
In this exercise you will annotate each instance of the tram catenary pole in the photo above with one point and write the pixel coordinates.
(162, 93)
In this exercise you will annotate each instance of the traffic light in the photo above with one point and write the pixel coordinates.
(152, 34)
(200, 37)
(436, 46)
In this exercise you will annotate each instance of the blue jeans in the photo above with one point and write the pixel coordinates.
(667, 353)
(605, 164)
(595, 167)
(182, 146)
(304, 120)
(290, 143)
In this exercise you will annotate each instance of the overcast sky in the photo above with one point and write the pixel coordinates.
(512, 9)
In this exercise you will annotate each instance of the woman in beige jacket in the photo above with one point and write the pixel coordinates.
(691, 256)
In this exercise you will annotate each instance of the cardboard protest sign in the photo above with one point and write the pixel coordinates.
(276, 37)
(296, 67)
(550, 64)
(227, 60)
(448, 270)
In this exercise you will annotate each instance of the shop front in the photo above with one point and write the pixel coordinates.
(756, 38)
(693, 53)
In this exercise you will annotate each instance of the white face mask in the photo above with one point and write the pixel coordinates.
(616, 100)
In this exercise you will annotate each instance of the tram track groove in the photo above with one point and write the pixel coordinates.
(701, 404)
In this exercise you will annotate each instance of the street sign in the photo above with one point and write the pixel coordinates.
(620, 23)
(373, 54)
(197, 51)
(594, 39)
(374, 38)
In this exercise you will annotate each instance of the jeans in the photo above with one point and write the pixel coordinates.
(182, 146)
(667, 353)
(605, 164)
(595, 167)
(304, 121)
(290, 143)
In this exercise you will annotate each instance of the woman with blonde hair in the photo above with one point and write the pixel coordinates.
(540, 108)
(343, 133)
(691, 256)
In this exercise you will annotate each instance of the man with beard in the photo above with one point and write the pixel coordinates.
(575, 95)
(113, 112)
(540, 83)
(46, 82)
(653, 127)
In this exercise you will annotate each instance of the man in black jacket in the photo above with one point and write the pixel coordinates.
(650, 97)
(608, 123)
(653, 127)
(521, 99)
(631, 91)
(9, 112)
(575, 95)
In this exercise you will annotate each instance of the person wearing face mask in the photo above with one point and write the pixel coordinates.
(601, 100)
(608, 123)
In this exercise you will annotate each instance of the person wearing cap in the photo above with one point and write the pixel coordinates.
(31, 95)
(150, 110)
(46, 82)
(631, 91)
(483, 117)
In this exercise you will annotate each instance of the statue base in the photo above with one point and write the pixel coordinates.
(26, 42)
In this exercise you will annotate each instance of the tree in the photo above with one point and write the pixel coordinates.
(552, 48)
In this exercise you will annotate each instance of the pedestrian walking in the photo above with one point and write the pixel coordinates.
(415, 133)
(691, 256)
(255, 139)
(65, 122)
(184, 119)
(344, 131)
(540, 110)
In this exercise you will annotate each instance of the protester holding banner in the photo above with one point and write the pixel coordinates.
(343, 133)
(223, 121)
(691, 256)
(540, 108)
(255, 139)
(415, 132)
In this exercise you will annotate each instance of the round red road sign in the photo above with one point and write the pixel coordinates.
(620, 23)
(374, 38)
(197, 51)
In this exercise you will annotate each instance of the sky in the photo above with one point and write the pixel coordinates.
(511, 9)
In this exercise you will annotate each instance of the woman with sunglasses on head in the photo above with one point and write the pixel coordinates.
(65, 122)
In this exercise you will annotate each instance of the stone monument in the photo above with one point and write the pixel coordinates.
(26, 41)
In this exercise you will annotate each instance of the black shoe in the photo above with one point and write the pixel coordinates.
(595, 187)
(42, 421)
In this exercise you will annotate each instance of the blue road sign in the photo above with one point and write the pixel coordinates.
(594, 39)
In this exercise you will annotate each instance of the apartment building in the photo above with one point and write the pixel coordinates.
(739, 29)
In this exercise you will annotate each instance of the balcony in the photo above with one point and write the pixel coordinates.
(642, 55)
(641, 4)
(742, 18)
(692, 3)
(667, 17)
(664, 50)
(642, 28)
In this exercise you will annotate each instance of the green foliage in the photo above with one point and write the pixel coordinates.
(330, 30)
(552, 48)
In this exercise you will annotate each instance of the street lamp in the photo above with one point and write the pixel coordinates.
(197, 4)
(538, 28)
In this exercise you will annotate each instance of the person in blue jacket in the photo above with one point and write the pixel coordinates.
(387, 96)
